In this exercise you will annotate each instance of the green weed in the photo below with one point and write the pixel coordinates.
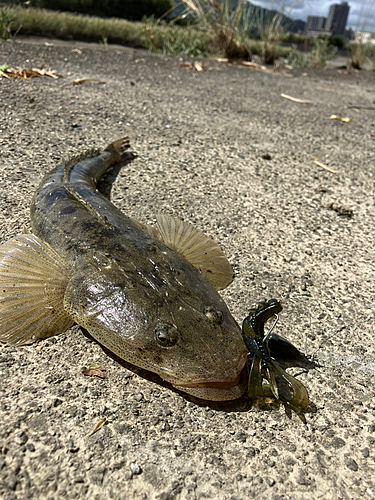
(6, 21)
(175, 40)
(104, 42)
(296, 58)
(321, 52)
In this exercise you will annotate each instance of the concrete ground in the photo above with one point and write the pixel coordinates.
(220, 148)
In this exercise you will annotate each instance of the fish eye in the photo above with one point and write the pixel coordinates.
(166, 335)
(213, 315)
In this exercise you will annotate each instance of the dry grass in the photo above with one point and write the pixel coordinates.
(229, 27)
(234, 29)
(271, 33)
(360, 54)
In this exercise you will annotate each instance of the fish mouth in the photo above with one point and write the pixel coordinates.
(216, 390)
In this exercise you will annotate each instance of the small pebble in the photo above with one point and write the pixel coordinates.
(30, 447)
(135, 469)
(21, 438)
(351, 464)
(241, 436)
(71, 447)
(12, 484)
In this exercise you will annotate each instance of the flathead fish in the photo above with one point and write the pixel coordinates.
(148, 294)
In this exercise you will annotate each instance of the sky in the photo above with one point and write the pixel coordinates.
(361, 11)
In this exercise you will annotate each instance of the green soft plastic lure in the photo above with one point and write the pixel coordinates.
(281, 385)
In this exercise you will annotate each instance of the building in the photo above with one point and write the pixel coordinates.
(337, 18)
(316, 33)
(316, 23)
(349, 34)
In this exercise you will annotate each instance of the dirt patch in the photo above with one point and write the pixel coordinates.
(222, 149)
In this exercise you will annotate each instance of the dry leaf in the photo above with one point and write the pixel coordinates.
(94, 371)
(28, 73)
(256, 66)
(280, 65)
(341, 119)
(83, 80)
(317, 162)
(186, 65)
(4, 75)
(46, 72)
(198, 66)
(295, 99)
(78, 51)
(98, 426)
(253, 65)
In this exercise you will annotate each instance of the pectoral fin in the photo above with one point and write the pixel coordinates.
(33, 280)
(196, 247)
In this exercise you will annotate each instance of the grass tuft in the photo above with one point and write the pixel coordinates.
(6, 21)
(321, 52)
(361, 53)
(229, 27)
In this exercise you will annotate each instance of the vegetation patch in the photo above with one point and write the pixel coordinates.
(235, 30)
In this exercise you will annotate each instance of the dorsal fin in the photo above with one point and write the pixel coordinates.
(196, 247)
(33, 279)
(150, 230)
(86, 205)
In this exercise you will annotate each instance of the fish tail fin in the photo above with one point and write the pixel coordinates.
(33, 279)
(120, 151)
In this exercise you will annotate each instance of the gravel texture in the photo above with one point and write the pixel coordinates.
(222, 149)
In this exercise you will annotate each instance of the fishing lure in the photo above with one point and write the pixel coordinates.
(281, 385)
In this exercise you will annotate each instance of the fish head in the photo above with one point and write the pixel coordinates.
(189, 339)
(196, 345)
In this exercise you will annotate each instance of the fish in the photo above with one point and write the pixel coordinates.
(149, 294)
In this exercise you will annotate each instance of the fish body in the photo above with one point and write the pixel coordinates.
(147, 294)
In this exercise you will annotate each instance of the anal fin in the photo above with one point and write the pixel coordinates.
(33, 279)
